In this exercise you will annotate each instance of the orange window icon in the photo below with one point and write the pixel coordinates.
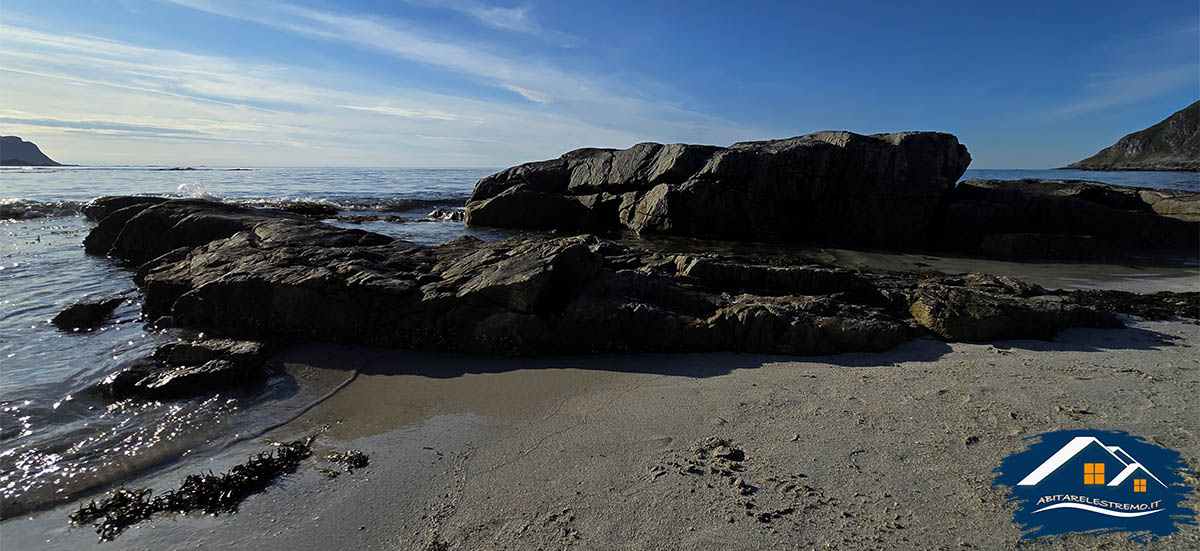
(1139, 484)
(1093, 473)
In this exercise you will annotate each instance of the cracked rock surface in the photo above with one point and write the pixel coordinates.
(262, 273)
(834, 188)
(829, 186)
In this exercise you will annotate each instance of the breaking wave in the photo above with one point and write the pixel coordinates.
(25, 209)
(28, 209)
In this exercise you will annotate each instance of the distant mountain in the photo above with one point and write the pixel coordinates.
(1173, 144)
(17, 152)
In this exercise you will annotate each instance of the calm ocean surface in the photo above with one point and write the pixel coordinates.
(59, 438)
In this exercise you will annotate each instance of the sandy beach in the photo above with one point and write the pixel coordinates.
(457, 275)
(866, 450)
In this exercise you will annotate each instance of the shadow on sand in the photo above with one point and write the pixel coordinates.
(441, 365)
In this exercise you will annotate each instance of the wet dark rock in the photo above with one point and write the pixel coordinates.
(836, 187)
(247, 353)
(1066, 219)
(100, 208)
(309, 209)
(288, 277)
(360, 218)
(139, 229)
(408, 204)
(86, 314)
(191, 368)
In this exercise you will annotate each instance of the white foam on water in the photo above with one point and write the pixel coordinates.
(195, 190)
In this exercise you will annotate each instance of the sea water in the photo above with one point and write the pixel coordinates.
(61, 437)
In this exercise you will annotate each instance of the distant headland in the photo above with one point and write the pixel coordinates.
(17, 152)
(1173, 144)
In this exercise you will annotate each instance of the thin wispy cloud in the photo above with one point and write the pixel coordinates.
(405, 113)
(100, 126)
(510, 19)
(398, 39)
(527, 94)
(93, 93)
(516, 19)
(1140, 68)
(1108, 90)
(608, 102)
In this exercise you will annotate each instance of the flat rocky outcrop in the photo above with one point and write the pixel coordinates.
(830, 187)
(1066, 219)
(1173, 144)
(256, 273)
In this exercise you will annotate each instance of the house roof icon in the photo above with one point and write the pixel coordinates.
(1078, 444)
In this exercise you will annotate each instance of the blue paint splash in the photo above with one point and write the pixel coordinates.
(1066, 499)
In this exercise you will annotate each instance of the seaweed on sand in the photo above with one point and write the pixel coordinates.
(207, 493)
(352, 459)
(349, 460)
(122, 507)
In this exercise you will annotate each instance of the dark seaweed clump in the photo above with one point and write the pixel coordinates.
(352, 459)
(207, 493)
(349, 460)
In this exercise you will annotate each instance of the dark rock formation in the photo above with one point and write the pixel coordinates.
(1156, 306)
(834, 188)
(17, 152)
(191, 368)
(962, 314)
(1066, 219)
(85, 314)
(831, 187)
(265, 273)
(360, 218)
(137, 240)
(1173, 144)
(309, 209)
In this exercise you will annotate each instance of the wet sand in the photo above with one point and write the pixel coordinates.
(882, 450)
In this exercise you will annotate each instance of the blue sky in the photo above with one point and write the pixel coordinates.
(490, 84)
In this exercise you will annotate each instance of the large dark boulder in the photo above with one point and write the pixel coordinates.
(191, 368)
(138, 229)
(833, 187)
(86, 314)
(285, 276)
(1066, 219)
(962, 314)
